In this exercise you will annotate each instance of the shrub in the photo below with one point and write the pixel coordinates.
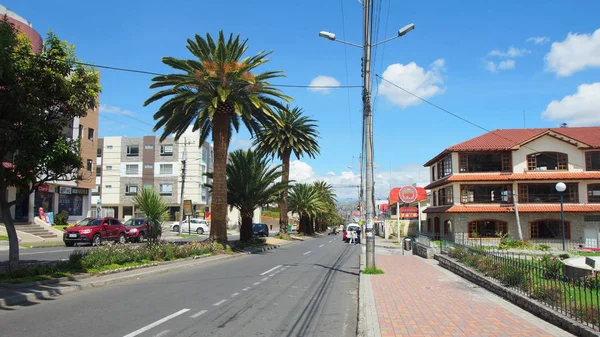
(512, 276)
(564, 256)
(283, 236)
(552, 266)
(546, 292)
(543, 247)
(61, 219)
(508, 243)
(458, 253)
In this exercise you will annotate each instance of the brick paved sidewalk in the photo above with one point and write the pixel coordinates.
(415, 297)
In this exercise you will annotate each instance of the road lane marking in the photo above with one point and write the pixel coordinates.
(50, 251)
(266, 278)
(157, 323)
(162, 333)
(272, 275)
(219, 303)
(321, 246)
(256, 283)
(270, 270)
(199, 313)
(310, 251)
(234, 294)
(245, 289)
(330, 241)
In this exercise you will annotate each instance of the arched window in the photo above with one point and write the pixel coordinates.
(549, 229)
(487, 228)
(428, 225)
(447, 227)
(550, 161)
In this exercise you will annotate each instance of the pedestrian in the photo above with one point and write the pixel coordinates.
(352, 236)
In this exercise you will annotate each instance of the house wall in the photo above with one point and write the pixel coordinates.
(547, 143)
(111, 179)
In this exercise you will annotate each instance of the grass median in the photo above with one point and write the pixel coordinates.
(107, 258)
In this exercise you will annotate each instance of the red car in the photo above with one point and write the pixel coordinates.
(138, 229)
(94, 231)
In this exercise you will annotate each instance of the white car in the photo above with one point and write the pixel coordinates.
(199, 226)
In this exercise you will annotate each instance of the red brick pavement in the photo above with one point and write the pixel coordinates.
(415, 298)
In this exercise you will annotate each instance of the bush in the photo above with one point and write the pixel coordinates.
(547, 293)
(512, 276)
(552, 266)
(61, 219)
(458, 253)
(508, 243)
(543, 247)
(283, 236)
(269, 213)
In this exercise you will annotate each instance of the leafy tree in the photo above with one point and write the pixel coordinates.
(290, 132)
(213, 93)
(327, 201)
(39, 97)
(304, 200)
(155, 208)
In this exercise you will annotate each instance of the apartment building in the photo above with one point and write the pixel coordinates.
(488, 184)
(127, 165)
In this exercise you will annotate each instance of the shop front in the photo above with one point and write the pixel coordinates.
(74, 201)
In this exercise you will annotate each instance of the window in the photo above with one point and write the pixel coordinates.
(131, 189)
(444, 167)
(99, 152)
(166, 150)
(166, 169)
(444, 196)
(485, 162)
(148, 166)
(98, 171)
(204, 155)
(109, 147)
(204, 176)
(204, 195)
(549, 229)
(148, 146)
(90, 134)
(107, 186)
(131, 169)
(433, 173)
(592, 161)
(96, 190)
(429, 225)
(127, 210)
(485, 194)
(543, 161)
(148, 186)
(108, 168)
(133, 150)
(90, 165)
(80, 131)
(593, 192)
(487, 228)
(166, 189)
(546, 193)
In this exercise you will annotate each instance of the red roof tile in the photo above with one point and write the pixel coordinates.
(533, 175)
(523, 208)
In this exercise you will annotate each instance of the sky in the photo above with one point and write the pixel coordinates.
(497, 64)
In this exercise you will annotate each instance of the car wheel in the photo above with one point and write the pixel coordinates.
(69, 244)
(141, 237)
(122, 238)
(200, 231)
(176, 229)
(97, 240)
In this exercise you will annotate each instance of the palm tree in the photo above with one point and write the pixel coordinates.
(251, 183)
(154, 207)
(327, 200)
(213, 93)
(304, 200)
(289, 132)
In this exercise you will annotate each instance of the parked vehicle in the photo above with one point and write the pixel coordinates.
(351, 228)
(138, 229)
(260, 229)
(333, 231)
(94, 231)
(198, 226)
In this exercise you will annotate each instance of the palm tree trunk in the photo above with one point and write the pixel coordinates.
(302, 224)
(220, 134)
(246, 229)
(283, 204)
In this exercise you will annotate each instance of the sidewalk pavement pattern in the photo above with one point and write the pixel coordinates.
(415, 297)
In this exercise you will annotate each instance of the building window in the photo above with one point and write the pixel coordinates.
(429, 225)
(435, 199)
(80, 131)
(549, 229)
(90, 165)
(592, 161)
(204, 155)
(148, 186)
(166, 150)
(109, 147)
(166, 169)
(433, 173)
(546, 193)
(133, 150)
(148, 166)
(166, 189)
(481, 194)
(551, 161)
(593, 192)
(444, 167)
(107, 186)
(99, 152)
(131, 189)
(148, 146)
(90, 134)
(98, 171)
(445, 196)
(96, 190)
(108, 168)
(131, 169)
(485, 162)
(487, 228)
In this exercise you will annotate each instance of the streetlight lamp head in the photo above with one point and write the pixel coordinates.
(327, 35)
(561, 187)
(406, 29)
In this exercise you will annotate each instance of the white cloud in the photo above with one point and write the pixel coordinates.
(538, 39)
(580, 108)
(236, 144)
(508, 64)
(511, 52)
(491, 66)
(331, 173)
(414, 79)
(326, 81)
(577, 52)
(115, 110)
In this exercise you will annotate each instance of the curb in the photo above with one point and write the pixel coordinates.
(368, 323)
(256, 250)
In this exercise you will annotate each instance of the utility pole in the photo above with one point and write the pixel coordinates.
(183, 163)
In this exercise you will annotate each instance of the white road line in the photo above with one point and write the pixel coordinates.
(48, 251)
(199, 313)
(162, 333)
(310, 251)
(219, 303)
(157, 323)
(245, 288)
(234, 294)
(256, 283)
(330, 241)
(321, 246)
(272, 275)
(266, 278)
(270, 270)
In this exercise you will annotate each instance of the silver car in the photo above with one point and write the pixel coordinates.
(198, 226)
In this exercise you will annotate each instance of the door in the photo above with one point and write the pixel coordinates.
(114, 228)
(591, 237)
(436, 228)
(105, 231)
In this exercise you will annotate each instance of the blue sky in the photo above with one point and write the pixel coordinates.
(490, 62)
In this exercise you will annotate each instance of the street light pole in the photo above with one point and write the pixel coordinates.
(560, 188)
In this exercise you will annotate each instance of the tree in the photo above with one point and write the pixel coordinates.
(327, 208)
(39, 97)
(213, 93)
(251, 183)
(289, 132)
(304, 200)
(155, 208)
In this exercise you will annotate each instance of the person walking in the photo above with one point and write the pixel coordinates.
(352, 237)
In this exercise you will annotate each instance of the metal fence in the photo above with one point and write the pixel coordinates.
(533, 244)
(539, 278)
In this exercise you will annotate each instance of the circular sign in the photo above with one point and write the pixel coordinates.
(408, 194)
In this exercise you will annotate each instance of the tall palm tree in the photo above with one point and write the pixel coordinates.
(213, 93)
(154, 207)
(304, 200)
(290, 132)
(327, 200)
(251, 183)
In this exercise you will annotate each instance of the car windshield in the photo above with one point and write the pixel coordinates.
(89, 222)
(352, 228)
(134, 222)
(258, 227)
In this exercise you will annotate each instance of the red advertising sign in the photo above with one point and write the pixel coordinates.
(44, 188)
(409, 212)
(408, 194)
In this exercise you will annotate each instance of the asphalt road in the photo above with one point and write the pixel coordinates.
(303, 289)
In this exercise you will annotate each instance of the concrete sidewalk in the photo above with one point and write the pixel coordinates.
(416, 297)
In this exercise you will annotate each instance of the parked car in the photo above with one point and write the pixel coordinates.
(351, 228)
(94, 231)
(138, 229)
(199, 226)
(260, 229)
(333, 231)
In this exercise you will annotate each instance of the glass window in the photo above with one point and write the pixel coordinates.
(96, 190)
(204, 154)
(593, 192)
(148, 186)
(71, 203)
(148, 166)
(485, 193)
(127, 210)
(90, 134)
(546, 193)
(166, 189)
(549, 229)
(487, 228)
(148, 146)
(108, 186)
(98, 171)
(485, 162)
(131, 169)
(80, 131)
(109, 147)
(592, 161)
(444, 167)
(99, 152)
(108, 168)
(543, 161)
(131, 189)
(166, 150)
(166, 169)
(133, 150)
(90, 165)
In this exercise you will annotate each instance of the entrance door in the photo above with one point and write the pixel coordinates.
(22, 208)
(436, 228)
(591, 237)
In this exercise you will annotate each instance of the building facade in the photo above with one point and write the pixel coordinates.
(485, 187)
